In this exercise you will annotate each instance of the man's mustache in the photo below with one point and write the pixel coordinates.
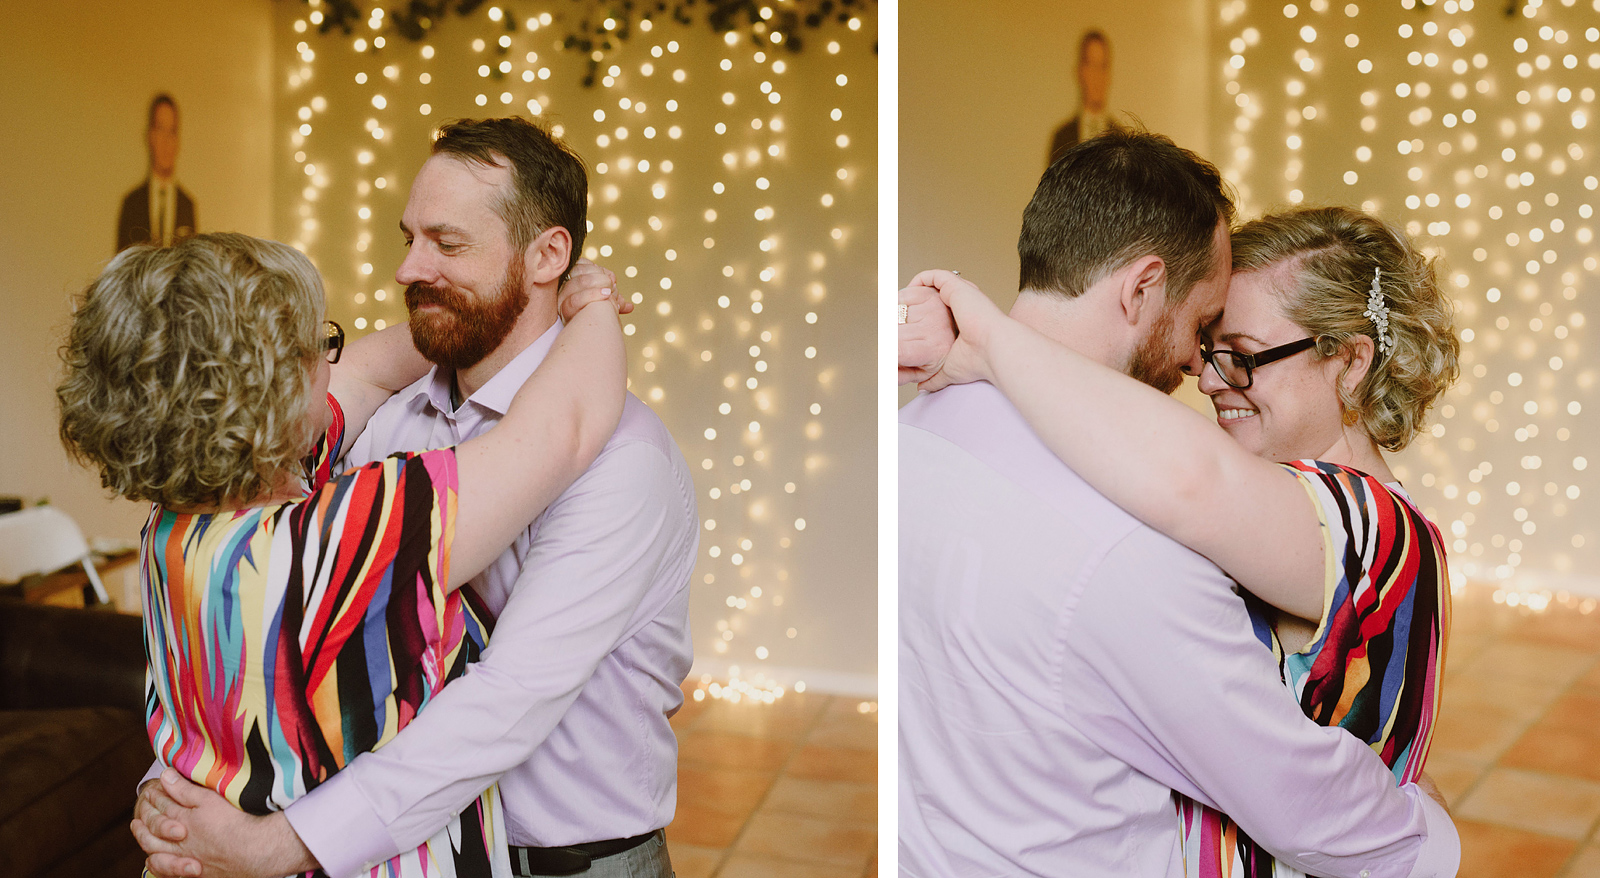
(419, 294)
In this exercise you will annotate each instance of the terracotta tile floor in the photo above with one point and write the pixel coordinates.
(1517, 748)
(782, 790)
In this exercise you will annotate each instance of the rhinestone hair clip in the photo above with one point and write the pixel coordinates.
(1378, 312)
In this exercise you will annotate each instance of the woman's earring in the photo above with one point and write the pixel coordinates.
(1350, 417)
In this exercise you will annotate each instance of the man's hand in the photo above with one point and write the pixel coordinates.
(1426, 784)
(590, 283)
(188, 830)
(158, 834)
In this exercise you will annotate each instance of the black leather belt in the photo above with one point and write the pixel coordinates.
(572, 859)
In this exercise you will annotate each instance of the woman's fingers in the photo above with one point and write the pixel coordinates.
(590, 283)
(938, 279)
(585, 289)
(965, 301)
(939, 381)
(924, 347)
(928, 333)
(918, 293)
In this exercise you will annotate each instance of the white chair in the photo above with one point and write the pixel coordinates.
(43, 539)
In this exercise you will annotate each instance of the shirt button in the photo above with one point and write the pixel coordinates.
(1365, 874)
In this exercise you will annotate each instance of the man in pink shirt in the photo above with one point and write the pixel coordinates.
(1064, 669)
(568, 708)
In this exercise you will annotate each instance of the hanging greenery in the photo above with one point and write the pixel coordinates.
(595, 27)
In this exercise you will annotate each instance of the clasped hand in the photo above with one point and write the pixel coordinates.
(183, 827)
(944, 340)
(589, 283)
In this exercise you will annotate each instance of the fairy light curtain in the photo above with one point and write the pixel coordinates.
(733, 192)
(1471, 124)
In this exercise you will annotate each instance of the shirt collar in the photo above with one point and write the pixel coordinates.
(496, 394)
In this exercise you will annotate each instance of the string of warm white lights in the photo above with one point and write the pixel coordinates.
(697, 201)
(1471, 129)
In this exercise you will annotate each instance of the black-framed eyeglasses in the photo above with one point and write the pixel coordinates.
(1236, 368)
(333, 340)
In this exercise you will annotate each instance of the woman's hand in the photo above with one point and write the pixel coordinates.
(926, 335)
(965, 359)
(589, 283)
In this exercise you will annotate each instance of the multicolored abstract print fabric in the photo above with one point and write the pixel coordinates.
(1374, 666)
(285, 640)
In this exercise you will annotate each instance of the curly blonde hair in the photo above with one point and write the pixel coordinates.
(1334, 251)
(187, 369)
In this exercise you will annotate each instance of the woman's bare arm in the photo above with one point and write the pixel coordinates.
(554, 429)
(1155, 457)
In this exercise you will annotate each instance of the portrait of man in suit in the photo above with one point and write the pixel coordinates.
(1094, 84)
(158, 211)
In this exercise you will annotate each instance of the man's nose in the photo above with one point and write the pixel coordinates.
(413, 268)
(1196, 363)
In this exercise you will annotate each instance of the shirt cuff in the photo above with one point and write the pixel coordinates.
(1440, 854)
(155, 771)
(340, 827)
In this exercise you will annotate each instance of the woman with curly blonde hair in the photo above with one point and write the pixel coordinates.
(1335, 341)
(295, 616)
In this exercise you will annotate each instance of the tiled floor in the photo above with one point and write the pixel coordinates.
(1517, 748)
(782, 790)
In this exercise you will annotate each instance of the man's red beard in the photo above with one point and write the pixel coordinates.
(1152, 360)
(465, 331)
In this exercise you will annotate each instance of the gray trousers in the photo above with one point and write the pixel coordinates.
(648, 860)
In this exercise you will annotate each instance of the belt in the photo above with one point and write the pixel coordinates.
(571, 859)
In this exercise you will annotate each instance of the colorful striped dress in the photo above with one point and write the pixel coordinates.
(283, 641)
(1375, 664)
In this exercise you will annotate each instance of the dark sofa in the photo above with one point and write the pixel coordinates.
(72, 741)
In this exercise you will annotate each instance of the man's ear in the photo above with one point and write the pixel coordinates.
(548, 255)
(1143, 293)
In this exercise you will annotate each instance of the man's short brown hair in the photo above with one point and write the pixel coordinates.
(1111, 199)
(549, 185)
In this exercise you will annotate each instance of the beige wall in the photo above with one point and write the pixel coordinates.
(78, 78)
(983, 86)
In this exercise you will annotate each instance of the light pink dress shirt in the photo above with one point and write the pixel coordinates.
(568, 708)
(1063, 669)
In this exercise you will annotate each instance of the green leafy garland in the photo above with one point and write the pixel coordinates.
(586, 24)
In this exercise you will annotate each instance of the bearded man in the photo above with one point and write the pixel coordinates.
(569, 707)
